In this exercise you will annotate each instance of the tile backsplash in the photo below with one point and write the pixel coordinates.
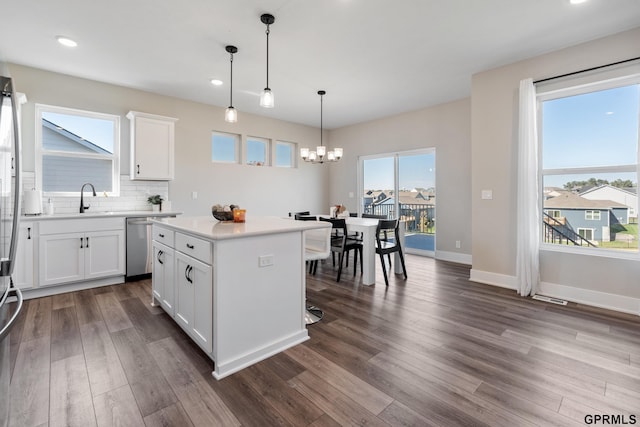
(133, 196)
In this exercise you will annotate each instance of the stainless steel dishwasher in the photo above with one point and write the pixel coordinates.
(139, 251)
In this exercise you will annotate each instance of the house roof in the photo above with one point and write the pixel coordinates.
(630, 190)
(573, 201)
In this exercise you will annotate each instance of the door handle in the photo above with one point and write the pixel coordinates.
(81, 242)
(28, 233)
(138, 169)
(87, 242)
(158, 257)
(186, 273)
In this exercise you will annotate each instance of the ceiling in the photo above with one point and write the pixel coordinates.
(374, 58)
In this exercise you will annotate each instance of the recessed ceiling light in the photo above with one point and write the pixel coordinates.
(66, 41)
(216, 82)
(577, 1)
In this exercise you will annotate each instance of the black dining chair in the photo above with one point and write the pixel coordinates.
(297, 215)
(341, 244)
(389, 246)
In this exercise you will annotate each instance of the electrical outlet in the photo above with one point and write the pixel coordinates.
(265, 260)
(457, 244)
(194, 195)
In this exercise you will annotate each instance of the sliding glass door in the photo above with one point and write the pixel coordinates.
(403, 185)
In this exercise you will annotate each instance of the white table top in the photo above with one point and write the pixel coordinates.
(212, 229)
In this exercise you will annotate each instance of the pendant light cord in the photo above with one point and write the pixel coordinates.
(267, 33)
(231, 85)
(321, 120)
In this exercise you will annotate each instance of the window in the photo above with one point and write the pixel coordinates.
(285, 154)
(257, 151)
(74, 147)
(589, 157)
(225, 147)
(592, 215)
(554, 213)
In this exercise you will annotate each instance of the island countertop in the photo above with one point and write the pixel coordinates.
(212, 229)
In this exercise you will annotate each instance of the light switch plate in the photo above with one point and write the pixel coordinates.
(487, 194)
(265, 260)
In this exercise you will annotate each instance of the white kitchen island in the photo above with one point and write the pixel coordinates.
(238, 289)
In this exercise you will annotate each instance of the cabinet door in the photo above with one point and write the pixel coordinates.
(162, 277)
(203, 305)
(23, 268)
(184, 292)
(153, 143)
(61, 258)
(193, 299)
(104, 254)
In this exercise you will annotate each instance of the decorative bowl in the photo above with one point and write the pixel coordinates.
(222, 215)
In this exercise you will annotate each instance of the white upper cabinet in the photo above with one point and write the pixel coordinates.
(152, 146)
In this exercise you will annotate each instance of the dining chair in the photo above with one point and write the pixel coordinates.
(342, 244)
(296, 215)
(389, 246)
(317, 246)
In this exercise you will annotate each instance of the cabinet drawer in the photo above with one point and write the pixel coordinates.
(194, 247)
(80, 225)
(163, 235)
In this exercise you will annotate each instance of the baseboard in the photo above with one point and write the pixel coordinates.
(621, 303)
(495, 279)
(453, 257)
(599, 299)
(46, 291)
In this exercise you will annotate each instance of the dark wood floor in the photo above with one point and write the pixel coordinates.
(435, 350)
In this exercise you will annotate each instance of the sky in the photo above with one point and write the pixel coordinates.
(96, 131)
(415, 171)
(593, 129)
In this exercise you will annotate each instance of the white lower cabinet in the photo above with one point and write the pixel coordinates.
(23, 270)
(183, 282)
(194, 299)
(67, 255)
(163, 276)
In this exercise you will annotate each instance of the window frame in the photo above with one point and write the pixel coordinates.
(574, 87)
(40, 152)
(266, 151)
(237, 141)
(590, 215)
(293, 158)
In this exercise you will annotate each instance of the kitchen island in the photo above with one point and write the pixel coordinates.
(237, 289)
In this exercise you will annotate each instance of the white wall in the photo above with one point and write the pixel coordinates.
(447, 128)
(597, 280)
(261, 190)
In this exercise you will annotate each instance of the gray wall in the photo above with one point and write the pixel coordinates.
(494, 116)
(446, 128)
(261, 190)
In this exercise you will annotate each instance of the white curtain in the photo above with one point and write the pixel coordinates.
(528, 214)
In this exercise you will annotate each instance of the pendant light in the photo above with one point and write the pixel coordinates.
(320, 155)
(266, 98)
(231, 115)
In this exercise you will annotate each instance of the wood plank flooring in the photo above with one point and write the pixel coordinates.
(434, 350)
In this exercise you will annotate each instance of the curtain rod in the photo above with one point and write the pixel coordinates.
(586, 70)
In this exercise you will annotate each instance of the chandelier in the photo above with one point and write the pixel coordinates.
(321, 155)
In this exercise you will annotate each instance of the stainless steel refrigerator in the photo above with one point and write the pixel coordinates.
(10, 188)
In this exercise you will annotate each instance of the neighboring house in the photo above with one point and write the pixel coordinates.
(625, 196)
(592, 219)
(95, 171)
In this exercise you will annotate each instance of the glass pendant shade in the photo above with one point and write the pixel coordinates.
(266, 99)
(304, 153)
(331, 156)
(231, 115)
(312, 156)
(321, 151)
(338, 153)
(321, 155)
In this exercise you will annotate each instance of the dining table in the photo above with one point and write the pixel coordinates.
(368, 226)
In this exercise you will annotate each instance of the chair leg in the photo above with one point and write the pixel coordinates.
(341, 261)
(315, 267)
(384, 270)
(404, 269)
(355, 261)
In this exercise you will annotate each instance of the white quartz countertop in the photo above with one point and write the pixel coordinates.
(212, 229)
(94, 214)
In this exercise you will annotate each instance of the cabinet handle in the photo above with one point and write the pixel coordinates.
(28, 233)
(87, 243)
(190, 246)
(190, 270)
(161, 235)
(81, 242)
(138, 169)
(186, 273)
(158, 257)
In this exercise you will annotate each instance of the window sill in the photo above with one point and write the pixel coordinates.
(601, 253)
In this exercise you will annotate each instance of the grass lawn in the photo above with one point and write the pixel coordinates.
(621, 242)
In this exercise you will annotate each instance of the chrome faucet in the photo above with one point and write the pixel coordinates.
(82, 206)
